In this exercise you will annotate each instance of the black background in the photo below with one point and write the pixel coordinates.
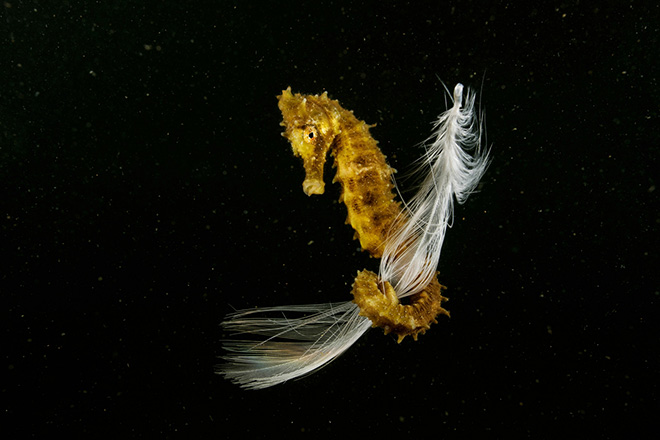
(146, 191)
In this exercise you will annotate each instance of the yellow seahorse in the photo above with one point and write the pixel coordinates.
(315, 125)
(408, 238)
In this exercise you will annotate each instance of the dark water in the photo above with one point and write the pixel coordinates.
(146, 191)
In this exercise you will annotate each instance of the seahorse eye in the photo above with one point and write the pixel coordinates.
(311, 133)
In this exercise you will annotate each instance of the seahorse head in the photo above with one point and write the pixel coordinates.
(311, 124)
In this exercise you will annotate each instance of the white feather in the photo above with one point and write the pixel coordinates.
(292, 347)
(446, 170)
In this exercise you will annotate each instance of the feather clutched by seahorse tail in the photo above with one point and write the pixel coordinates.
(451, 167)
(292, 341)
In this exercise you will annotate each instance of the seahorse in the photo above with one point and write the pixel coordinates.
(408, 238)
(316, 124)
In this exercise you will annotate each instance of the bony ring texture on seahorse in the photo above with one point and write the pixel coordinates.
(407, 238)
